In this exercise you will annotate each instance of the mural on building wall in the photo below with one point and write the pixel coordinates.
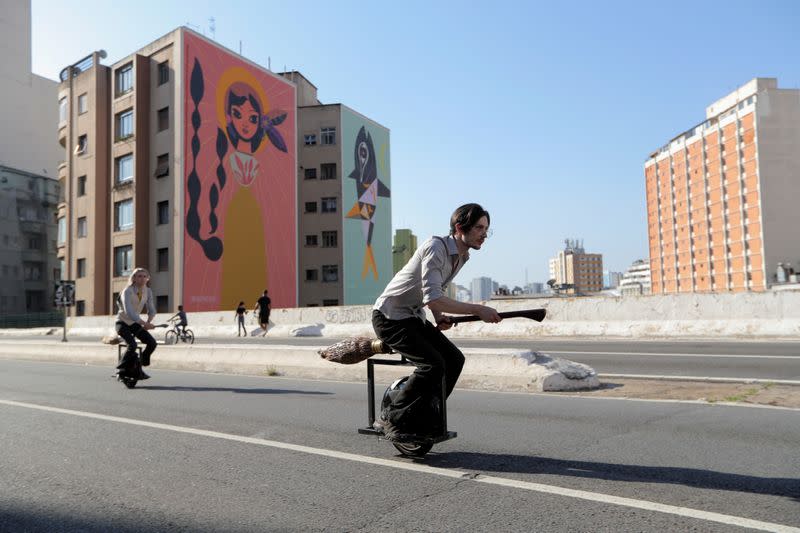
(240, 199)
(368, 223)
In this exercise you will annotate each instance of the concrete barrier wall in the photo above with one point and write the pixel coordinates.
(769, 314)
(485, 369)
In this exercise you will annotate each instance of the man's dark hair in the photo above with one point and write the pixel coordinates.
(467, 216)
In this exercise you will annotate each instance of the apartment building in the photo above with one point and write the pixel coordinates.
(29, 161)
(636, 280)
(183, 157)
(482, 289)
(405, 244)
(344, 212)
(721, 196)
(573, 271)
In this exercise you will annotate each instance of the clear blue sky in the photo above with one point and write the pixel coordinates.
(543, 113)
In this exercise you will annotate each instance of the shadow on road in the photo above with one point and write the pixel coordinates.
(230, 389)
(690, 477)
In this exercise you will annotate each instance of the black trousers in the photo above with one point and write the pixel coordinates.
(130, 360)
(432, 353)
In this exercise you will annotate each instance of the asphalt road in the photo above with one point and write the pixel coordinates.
(189, 451)
(778, 360)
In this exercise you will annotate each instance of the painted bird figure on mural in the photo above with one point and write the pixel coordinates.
(368, 189)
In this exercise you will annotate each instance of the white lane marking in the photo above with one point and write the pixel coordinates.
(703, 355)
(444, 472)
(742, 381)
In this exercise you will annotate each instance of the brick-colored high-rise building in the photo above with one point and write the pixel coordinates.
(573, 271)
(722, 196)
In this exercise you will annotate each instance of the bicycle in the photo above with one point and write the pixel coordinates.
(173, 335)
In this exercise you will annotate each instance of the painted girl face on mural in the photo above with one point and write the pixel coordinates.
(245, 120)
(243, 111)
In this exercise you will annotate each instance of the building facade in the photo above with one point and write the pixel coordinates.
(405, 244)
(28, 265)
(202, 166)
(636, 280)
(721, 196)
(344, 184)
(481, 289)
(29, 163)
(573, 271)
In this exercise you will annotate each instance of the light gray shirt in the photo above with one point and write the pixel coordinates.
(422, 280)
(132, 305)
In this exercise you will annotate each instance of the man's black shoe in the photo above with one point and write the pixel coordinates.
(146, 360)
(142, 375)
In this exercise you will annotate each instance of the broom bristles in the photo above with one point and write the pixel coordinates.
(353, 350)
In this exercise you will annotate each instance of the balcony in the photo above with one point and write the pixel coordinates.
(62, 135)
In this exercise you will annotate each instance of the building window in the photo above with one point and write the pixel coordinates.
(328, 135)
(123, 260)
(312, 274)
(310, 140)
(329, 239)
(62, 230)
(81, 268)
(62, 110)
(83, 103)
(162, 303)
(328, 171)
(80, 308)
(124, 168)
(311, 240)
(163, 72)
(124, 79)
(34, 243)
(163, 212)
(124, 125)
(311, 173)
(81, 185)
(123, 215)
(82, 227)
(330, 273)
(162, 166)
(163, 119)
(330, 302)
(311, 207)
(83, 145)
(163, 259)
(32, 271)
(329, 205)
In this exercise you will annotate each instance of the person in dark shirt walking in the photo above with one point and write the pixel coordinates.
(263, 308)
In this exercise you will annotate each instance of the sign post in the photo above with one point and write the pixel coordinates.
(64, 297)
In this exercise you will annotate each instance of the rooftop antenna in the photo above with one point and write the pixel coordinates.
(269, 63)
(212, 27)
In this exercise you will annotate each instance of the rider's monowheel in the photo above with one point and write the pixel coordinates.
(409, 449)
(126, 379)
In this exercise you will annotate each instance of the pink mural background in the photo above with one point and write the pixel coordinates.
(240, 171)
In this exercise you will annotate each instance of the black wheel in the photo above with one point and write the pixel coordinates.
(413, 449)
(129, 382)
(170, 337)
(188, 336)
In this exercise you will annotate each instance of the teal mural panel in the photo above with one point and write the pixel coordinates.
(366, 207)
